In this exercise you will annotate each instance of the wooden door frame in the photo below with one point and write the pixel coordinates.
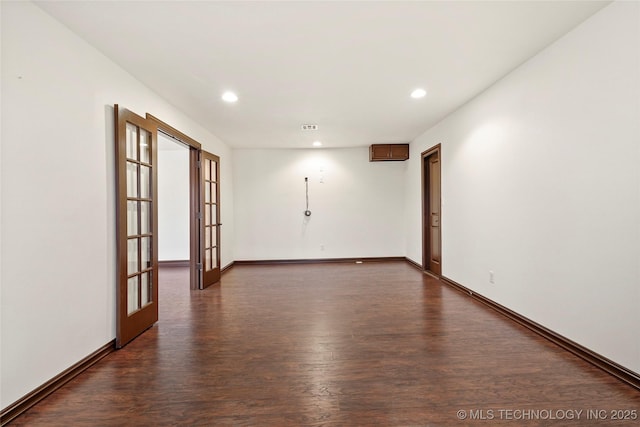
(426, 225)
(195, 272)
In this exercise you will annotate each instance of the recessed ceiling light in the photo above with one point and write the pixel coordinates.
(229, 97)
(418, 93)
(317, 144)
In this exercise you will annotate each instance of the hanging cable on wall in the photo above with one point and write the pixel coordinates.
(307, 212)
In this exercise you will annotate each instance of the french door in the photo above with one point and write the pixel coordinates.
(210, 226)
(136, 225)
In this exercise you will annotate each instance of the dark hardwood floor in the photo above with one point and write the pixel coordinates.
(373, 344)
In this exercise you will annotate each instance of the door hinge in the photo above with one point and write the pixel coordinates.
(199, 215)
(199, 162)
(199, 266)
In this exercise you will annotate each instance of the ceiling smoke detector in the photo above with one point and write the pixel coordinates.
(309, 127)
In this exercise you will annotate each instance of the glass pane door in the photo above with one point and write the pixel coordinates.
(136, 225)
(210, 228)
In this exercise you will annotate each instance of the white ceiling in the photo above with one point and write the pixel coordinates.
(347, 66)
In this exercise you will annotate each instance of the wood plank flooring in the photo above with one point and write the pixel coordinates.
(373, 344)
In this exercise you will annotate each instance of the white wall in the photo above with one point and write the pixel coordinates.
(541, 184)
(357, 206)
(58, 224)
(173, 200)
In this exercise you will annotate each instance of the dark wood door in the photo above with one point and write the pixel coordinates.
(136, 225)
(434, 213)
(210, 226)
(431, 221)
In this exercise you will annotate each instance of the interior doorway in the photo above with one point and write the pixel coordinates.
(431, 212)
(195, 211)
(173, 202)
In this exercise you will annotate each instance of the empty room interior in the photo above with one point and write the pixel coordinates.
(320, 213)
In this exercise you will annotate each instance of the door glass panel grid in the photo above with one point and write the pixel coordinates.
(210, 237)
(210, 214)
(135, 150)
(210, 251)
(139, 290)
(138, 144)
(139, 187)
(140, 269)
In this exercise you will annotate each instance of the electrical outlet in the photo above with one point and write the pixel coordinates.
(491, 277)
